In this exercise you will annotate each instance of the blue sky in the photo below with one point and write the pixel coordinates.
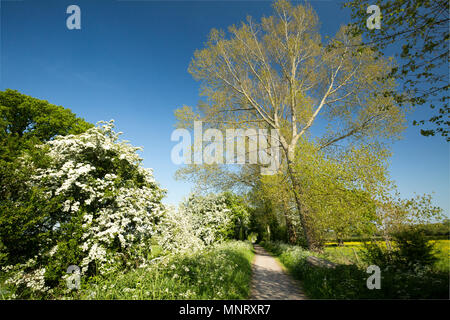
(129, 63)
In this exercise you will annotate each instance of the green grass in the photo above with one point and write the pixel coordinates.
(220, 272)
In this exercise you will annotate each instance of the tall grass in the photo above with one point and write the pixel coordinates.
(220, 272)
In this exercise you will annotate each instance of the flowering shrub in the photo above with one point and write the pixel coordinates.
(199, 222)
(211, 217)
(177, 232)
(100, 210)
(109, 207)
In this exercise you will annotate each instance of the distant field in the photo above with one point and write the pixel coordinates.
(348, 254)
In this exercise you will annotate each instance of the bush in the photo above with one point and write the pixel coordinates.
(176, 232)
(25, 219)
(210, 216)
(101, 206)
(413, 248)
(410, 250)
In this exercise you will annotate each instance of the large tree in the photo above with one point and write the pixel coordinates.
(418, 31)
(278, 74)
(26, 118)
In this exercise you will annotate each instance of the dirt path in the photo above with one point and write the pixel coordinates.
(270, 282)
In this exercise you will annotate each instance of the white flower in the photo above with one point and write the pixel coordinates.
(53, 250)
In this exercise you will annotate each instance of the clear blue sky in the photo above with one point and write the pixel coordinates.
(129, 63)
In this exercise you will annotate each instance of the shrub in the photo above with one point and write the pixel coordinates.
(410, 250)
(413, 248)
(26, 122)
(202, 221)
(102, 210)
(176, 232)
(210, 216)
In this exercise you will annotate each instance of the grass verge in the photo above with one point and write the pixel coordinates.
(220, 272)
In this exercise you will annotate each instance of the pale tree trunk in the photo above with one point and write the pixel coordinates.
(268, 232)
(308, 234)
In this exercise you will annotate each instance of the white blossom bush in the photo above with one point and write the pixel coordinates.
(210, 216)
(177, 233)
(109, 207)
(33, 280)
(200, 221)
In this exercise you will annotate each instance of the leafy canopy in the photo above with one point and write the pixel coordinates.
(420, 28)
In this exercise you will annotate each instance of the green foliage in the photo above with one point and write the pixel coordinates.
(377, 254)
(395, 214)
(252, 237)
(240, 215)
(277, 73)
(222, 271)
(411, 250)
(26, 121)
(340, 189)
(435, 230)
(91, 205)
(420, 29)
(266, 222)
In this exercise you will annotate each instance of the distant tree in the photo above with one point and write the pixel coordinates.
(396, 214)
(339, 189)
(420, 27)
(436, 229)
(240, 215)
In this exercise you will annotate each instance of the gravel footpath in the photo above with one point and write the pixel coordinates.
(270, 282)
